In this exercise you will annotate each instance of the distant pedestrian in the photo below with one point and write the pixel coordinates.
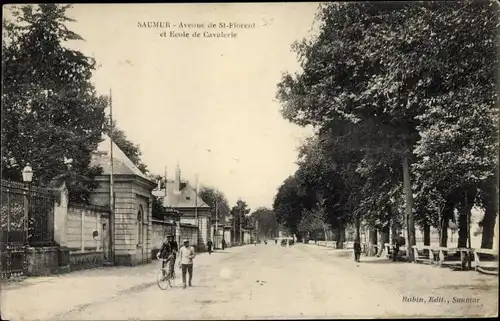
(209, 245)
(275, 241)
(396, 244)
(357, 250)
(223, 244)
(186, 257)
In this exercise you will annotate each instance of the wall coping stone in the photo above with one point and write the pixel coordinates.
(91, 207)
(85, 253)
(42, 249)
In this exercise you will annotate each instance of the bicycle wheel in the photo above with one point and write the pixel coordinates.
(162, 280)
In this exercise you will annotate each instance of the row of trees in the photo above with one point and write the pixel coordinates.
(402, 96)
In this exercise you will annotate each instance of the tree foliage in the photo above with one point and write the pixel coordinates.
(217, 201)
(389, 84)
(131, 150)
(50, 109)
(288, 205)
(267, 223)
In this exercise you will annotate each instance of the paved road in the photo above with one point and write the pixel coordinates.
(257, 282)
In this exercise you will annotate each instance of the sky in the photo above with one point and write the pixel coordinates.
(203, 103)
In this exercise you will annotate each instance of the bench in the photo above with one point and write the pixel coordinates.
(389, 249)
(420, 255)
(457, 259)
(486, 261)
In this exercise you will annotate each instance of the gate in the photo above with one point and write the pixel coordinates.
(14, 229)
(26, 219)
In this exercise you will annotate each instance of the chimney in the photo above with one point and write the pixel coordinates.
(177, 179)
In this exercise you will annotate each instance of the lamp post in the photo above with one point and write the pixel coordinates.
(240, 221)
(27, 179)
(233, 233)
(176, 221)
(216, 240)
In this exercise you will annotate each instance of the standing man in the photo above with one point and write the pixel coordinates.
(223, 244)
(395, 250)
(357, 250)
(186, 257)
(209, 246)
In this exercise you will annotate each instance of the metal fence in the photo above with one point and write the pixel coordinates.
(27, 216)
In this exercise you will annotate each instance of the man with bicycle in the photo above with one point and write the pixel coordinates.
(168, 254)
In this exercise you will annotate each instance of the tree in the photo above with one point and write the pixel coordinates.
(267, 223)
(312, 221)
(458, 145)
(349, 75)
(216, 200)
(288, 205)
(50, 109)
(238, 214)
(131, 150)
(378, 65)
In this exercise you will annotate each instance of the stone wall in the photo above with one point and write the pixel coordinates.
(42, 260)
(82, 222)
(81, 230)
(159, 231)
(85, 260)
(228, 237)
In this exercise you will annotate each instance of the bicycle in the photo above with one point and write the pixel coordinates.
(165, 277)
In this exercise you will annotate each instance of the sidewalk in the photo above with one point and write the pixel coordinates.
(414, 279)
(44, 298)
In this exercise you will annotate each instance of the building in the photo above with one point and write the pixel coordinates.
(132, 205)
(181, 196)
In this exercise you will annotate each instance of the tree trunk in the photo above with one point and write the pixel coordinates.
(338, 238)
(358, 227)
(462, 228)
(488, 223)
(394, 229)
(427, 233)
(463, 221)
(342, 234)
(385, 231)
(372, 242)
(409, 208)
(445, 220)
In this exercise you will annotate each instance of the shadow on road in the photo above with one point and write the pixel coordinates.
(478, 287)
(381, 261)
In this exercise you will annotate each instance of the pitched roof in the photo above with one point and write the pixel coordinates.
(122, 165)
(185, 198)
